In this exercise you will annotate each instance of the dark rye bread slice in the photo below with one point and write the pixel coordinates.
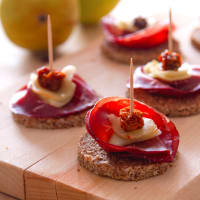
(195, 38)
(170, 106)
(94, 158)
(140, 56)
(51, 123)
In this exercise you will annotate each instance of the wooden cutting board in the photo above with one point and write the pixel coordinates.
(59, 175)
(42, 164)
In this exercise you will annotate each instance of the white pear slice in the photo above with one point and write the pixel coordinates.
(122, 138)
(154, 70)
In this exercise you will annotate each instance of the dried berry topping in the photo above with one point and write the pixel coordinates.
(131, 122)
(50, 80)
(140, 22)
(170, 60)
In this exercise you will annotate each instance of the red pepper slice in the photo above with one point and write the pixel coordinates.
(162, 148)
(145, 38)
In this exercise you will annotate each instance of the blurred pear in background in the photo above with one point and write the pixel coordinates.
(91, 11)
(25, 21)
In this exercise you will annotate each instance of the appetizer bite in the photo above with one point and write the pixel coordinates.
(141, 38)
(52, 98)
(127, 140)
(169, 86)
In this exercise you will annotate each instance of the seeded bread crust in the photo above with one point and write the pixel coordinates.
(95, 159)
(51, 123)
(140, 56)
(170, 106)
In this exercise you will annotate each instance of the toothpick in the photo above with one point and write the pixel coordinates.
(131, 87)
(170, 44)
(50, 42)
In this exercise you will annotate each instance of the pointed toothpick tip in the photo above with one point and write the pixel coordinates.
(170, 43)
(131, 86)
(131, 65)
(50, 42)
(131, 61)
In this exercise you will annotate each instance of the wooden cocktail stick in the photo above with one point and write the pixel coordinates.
(170, 44)
(50, 42)
(131, 87)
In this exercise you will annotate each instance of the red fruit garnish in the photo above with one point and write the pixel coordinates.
(162, 148)
(170, 60)
(145, 38)
(130, 122)
(50, 80)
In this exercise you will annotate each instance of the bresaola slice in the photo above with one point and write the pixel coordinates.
(176, 88)
(144, 38)
(162, 148)
(26, 102)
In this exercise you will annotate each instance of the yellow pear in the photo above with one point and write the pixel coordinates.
(91, 11)
(25, 21)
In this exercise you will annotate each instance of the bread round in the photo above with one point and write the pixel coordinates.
(94, 158)
(195, 38)
(51, 123)
(170, 106)
(140, 56)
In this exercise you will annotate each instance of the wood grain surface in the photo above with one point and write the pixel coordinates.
(48, 157)
(5, 197)
(60, 176)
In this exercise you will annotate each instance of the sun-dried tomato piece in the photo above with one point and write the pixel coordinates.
(131, 122)
(50, 80)
(170, 60)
